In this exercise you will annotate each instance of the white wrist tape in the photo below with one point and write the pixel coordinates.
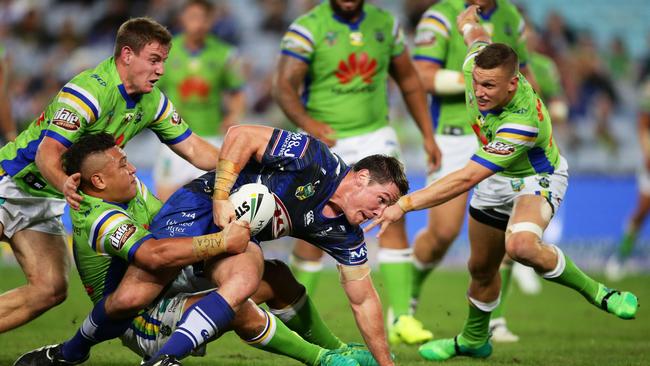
(447, 82)
(467, 28)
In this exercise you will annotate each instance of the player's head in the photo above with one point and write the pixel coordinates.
(379, 180)
(196, 18)
(347, 9)
(494, 77)
(105, 172)
(141, 47)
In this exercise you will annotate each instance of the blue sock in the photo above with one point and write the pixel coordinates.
(96, 328)
(199, 323)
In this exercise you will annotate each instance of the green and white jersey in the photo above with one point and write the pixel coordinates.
(196, 80)
(547, 75)
(515, 141)
(106, 236)
(93, 101)
(346, 85)
(438, 40)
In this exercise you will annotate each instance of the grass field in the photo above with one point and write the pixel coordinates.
(557, 327)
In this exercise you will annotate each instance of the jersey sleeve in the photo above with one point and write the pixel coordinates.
(233, 77)
(167, 123)
(432, 36)
(521, 47)
(293, 151)
(299, 41)
(349, 256)
(116, 234)
(468, 64)
(151, 203)
(72, 109)
(512, 140)
(397, 33)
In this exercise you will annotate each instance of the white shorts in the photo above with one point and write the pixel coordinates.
(172, 170)
(382, 141)
(20, 211)
(499, 193)
(643, 180)
(152, 328)
(456, 152)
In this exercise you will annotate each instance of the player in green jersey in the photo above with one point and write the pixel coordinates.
(205, 69)
(615, 267)
(111, 239)
(341, 54)
(7, 124)
(520, 180)
(118, 97)
(439, 55)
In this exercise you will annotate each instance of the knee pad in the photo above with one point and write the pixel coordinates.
(524, 226)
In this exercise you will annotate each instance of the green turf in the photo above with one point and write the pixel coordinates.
(556, 327)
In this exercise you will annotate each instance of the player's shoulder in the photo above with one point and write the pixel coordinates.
(509, 9)
(214, 43)
(444, 12)
(376, 13)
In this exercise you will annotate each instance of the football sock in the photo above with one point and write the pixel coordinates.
(476, 330)
(506, 274)
(306, 272)
(96, 328)
(303, 318)
(198, 324)
(627, 244)
(421, 271)
(568, 274)
(396, 267)
(279, 339)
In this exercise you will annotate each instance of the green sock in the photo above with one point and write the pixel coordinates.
(627, 244)
(574, 278)
(304, 319)
(397, 279)
(476, 330)
(506, 275)
(306, 272)
(419, 275)
(281, 340)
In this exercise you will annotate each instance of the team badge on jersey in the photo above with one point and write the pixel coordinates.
(356, 38)
(66, 119)
(306, 191)
(121, 235)
(379, 36)
(499, 148)
(290, 144)
(330, 38)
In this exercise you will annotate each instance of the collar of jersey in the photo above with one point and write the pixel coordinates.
(488, 15)
(123, 206)
(353, 26)
(131, 101)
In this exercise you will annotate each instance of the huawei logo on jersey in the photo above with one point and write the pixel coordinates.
(361, 66)
(194, 86)
(281, 223)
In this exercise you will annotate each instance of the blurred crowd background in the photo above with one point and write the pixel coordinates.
(602, 50)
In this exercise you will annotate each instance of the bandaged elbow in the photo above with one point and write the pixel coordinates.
(448, 82)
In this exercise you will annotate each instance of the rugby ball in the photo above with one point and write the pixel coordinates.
(253, 203)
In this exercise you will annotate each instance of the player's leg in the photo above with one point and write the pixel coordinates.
(530, 217)
(306, 265)
(237, 277)
(498, 326)
(486, 243)
(431, 243)
(614, 267)
(45, 260)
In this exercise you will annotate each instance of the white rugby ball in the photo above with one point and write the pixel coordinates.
(253, 203)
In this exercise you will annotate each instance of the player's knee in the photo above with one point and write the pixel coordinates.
(47, 292)
(126, 302)
(481, 271)
(284, 286)
(519, 246)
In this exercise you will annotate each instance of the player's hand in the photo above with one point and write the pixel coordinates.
(70, 190)
(223, 212)
(321, 131)
(434, 155)
(468, 16)
(390, 215)
(237, 235)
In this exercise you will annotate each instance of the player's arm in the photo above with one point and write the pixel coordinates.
(439, 81)
(197, 152)
(435, 194)
(404, 74)
(241, 144)
(643, 128)
(469, 26)
(48, 161)
(236, 106)
(288, 81)
(367, 310)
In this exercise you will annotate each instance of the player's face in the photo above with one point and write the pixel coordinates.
(145, 68)
(196, 21)
(347, 9)
(370, 201)
(119, 176)
(493, 88)
(483, 4)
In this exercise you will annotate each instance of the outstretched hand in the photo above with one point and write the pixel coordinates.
(390, 215)
(70, 190)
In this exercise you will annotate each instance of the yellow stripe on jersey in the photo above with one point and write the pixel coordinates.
(516, 136)
(165, 108)
(437, 25)
(103, 225)
(300, 39)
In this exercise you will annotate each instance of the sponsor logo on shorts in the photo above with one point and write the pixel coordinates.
(517, 184)
(290, 144)
(543, 181)
(66, 119)
(499, 148)
(358, 254)
(121, 235)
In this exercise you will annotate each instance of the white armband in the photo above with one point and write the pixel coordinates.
(448, 82)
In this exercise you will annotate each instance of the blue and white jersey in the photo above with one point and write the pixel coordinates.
(302, 173)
